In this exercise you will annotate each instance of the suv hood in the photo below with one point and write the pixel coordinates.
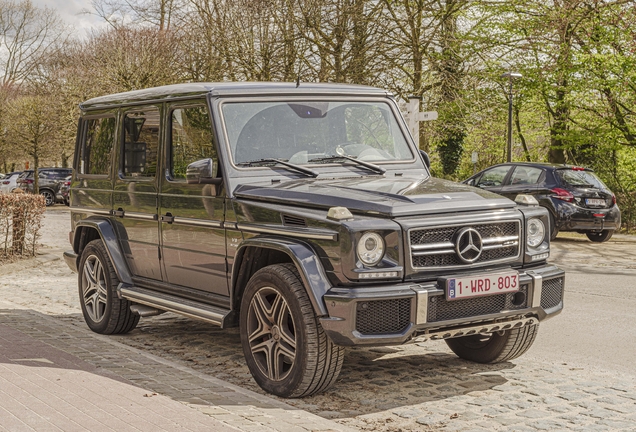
(396, 196)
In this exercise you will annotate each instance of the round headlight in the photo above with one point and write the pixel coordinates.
(536, 232)
(370, 248)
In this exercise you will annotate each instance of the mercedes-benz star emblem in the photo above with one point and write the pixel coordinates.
(468, 245)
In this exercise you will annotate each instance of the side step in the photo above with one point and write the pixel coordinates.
(175, 304)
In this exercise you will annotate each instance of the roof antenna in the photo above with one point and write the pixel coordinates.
(298, 81)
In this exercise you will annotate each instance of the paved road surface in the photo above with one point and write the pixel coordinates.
(578, 376)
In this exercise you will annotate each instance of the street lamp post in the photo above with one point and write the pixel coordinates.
(510, 76)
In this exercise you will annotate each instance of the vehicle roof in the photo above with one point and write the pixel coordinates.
(188, 90)
(543, 165)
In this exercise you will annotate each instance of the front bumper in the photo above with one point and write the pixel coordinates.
(395, 314)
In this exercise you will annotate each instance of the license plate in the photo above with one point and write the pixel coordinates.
(595, 202)
(482, 285)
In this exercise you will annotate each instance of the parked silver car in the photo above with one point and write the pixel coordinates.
(8, 184)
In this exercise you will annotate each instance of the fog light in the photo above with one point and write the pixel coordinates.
(540, 256)
(378, 275)
(518, 299)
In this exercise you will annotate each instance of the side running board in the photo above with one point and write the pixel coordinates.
(175, 304)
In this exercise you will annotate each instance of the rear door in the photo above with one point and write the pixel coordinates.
(523, 180)
(135, 198)
(192, 214)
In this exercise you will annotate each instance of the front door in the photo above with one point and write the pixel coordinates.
(135, 191)
(192, 214)
(493, 179)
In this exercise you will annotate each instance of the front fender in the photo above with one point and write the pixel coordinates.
(108, 236)
(304, 258)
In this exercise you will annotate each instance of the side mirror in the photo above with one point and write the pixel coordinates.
(471, 182)
(203, 171)
(427, 160)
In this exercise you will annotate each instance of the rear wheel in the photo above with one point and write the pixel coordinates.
(104, 312)
(600, 237)
(285, 346)
(495, 347)
(49, 197)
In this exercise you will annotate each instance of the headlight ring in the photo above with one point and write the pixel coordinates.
(370, 248)
(536, 233)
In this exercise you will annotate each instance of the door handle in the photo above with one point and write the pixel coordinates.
(119, 212)
(168, 218)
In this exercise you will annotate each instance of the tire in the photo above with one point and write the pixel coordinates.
(600, 237)
(277, 318)
(49, 197)
(104, 312)
(495, 348)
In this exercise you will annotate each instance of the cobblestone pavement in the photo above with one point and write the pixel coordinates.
(406, 388)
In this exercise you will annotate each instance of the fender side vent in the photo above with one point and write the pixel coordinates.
(294, 221)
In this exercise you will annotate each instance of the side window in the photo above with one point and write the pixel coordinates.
(141, 143)
(526, 175)
(97, 145)
(191, 139)
(493, 177)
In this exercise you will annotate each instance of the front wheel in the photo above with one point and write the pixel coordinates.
(599, 237)
(495, 347)
(285, 347)
(49, 197)
(104, 312)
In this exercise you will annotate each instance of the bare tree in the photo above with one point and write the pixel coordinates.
(121, 13)
(26, 33)
(31, 126)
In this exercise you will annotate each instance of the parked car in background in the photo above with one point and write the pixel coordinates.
(8, 183)
(575, 197)
(64, 190)
(50, 181)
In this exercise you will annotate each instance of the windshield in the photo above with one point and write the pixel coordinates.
(310, 132)
(580, 178)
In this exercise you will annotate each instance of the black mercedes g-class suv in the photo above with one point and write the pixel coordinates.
(305, 215)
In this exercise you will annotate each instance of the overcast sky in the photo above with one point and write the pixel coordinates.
(70, 11)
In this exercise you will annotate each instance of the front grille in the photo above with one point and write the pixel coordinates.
(551, 293)
(451, 260)
(441, 310)
(383, 316)
(433, 248)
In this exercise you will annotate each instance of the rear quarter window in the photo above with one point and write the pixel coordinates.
(97, 146)
(580, 178)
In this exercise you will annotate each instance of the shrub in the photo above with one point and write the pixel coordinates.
(20, 223)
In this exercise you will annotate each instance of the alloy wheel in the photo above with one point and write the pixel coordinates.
(94, 291)
(271, 333)
(48, 197)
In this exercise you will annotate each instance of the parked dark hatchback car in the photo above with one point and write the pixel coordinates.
(49, 183)
(575, 197)
(304, 215)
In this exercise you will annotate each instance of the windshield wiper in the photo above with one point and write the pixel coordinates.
(367, 165)
(263, 162)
